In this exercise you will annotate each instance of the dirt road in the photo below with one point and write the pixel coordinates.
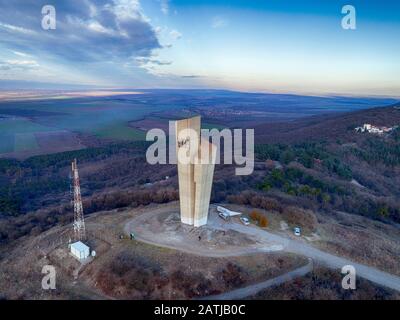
(279, 243)
(255, 288)
(176, 236)
(330, 260)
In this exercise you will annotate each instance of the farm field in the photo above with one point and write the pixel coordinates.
(18, 134)
(25, 142)
(151, 122)
(6, 143)
(47, 125)
(120, 131)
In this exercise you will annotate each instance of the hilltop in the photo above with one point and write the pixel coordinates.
(326, 127)
(341, 187)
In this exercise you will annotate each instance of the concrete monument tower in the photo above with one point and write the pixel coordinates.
(196, 161)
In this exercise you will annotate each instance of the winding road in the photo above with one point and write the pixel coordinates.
(255, 288)
(327, 259)
(285, 244)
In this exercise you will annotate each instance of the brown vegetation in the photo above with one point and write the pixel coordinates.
(305, 219)
(325, 284)
(36, 222)
(255, 200)
(259, 218)
(130, 276)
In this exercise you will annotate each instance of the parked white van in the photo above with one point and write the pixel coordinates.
(224, 215)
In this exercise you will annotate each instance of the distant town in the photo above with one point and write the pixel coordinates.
(375, 129)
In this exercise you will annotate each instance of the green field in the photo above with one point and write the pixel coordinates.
(6, 143)
(98, 116)
(210, 126)
(25, 142)
(120, 131)
(18, 135)
(102, 117)
(21, 125)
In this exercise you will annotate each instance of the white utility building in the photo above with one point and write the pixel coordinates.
(80, 250)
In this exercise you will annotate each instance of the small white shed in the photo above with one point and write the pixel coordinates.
(80, 250)
(228, 212)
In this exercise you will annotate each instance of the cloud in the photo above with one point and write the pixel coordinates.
(87, 31)
(21, 54)
(13, 28)
(175, 34)
(151, 65)
(144, 60)
(191, 76)
(219, 22)
(164, 6)
(23, 63)
(18, 65)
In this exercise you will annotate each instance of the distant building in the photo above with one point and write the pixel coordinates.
(80, 250)
(374, 129)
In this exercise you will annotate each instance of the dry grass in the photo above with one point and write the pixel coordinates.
(127, 269)
(325, 284)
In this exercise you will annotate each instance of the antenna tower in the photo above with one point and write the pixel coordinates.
(79, 222)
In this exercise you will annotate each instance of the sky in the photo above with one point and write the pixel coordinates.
(280, 46)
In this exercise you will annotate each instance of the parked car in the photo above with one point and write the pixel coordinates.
(297, 231)
(245, 221)
(223, 215)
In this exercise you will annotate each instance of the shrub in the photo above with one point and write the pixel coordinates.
(299, 217)
(263, 221)
(259, 217)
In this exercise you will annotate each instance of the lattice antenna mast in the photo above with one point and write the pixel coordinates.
(79, 222)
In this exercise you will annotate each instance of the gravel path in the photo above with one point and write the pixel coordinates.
(255, 288)
(327, 259)
(273, 242)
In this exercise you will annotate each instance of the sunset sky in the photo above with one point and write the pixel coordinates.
(266, 46)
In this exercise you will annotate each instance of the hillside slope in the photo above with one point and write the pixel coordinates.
(326, 127)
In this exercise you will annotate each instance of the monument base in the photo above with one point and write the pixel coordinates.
(200, 222)
(186, 220)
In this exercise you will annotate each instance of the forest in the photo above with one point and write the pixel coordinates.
(318, 176)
